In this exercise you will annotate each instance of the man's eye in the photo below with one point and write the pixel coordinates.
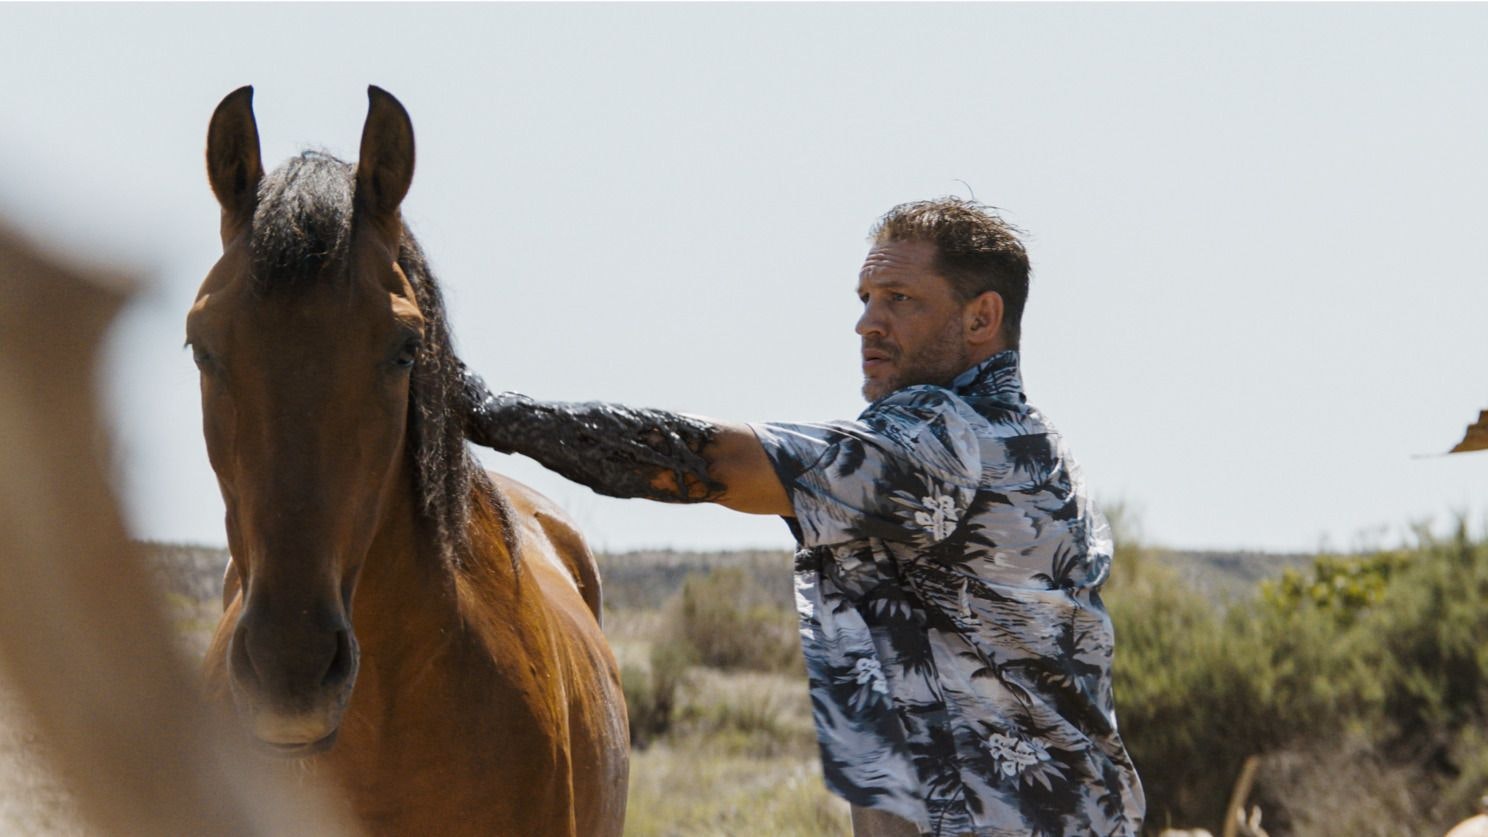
(898, 297)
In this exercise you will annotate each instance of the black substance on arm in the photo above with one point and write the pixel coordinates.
(615, 450)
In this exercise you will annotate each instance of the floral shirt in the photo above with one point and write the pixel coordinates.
(958, 652)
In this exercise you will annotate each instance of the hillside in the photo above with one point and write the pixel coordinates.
(646, 579)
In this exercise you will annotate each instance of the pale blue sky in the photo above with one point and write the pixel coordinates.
(1257, 230)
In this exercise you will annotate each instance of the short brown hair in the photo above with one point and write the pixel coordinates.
(975, 250)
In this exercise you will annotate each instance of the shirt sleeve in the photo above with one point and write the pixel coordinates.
(906, 470)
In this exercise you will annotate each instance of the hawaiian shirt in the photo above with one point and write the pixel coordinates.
(948, 588)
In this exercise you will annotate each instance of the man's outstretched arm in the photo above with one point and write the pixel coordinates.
(626, 452)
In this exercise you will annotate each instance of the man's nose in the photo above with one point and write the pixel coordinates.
(871, 322)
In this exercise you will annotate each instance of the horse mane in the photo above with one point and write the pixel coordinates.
(302, 230)
(302, 223)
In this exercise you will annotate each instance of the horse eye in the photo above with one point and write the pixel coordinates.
(407, 355)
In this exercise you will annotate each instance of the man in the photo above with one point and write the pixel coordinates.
(958, 653)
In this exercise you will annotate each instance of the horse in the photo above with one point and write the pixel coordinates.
(423, 633)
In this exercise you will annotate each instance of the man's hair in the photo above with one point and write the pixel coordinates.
(975, 250)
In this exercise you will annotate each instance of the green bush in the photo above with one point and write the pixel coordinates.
(722, 619)
(651, 692)
(1370, 669)
(1189, 680)
(1341, 586)
(728, 621)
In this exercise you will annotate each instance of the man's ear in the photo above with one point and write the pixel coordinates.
(982, 318)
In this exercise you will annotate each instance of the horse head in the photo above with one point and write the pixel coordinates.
(307, 332)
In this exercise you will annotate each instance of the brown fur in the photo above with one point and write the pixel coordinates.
(485, 700)
(482, 709)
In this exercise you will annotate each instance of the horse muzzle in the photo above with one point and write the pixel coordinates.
(291, 683)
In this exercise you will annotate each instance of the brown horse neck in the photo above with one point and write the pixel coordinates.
(404, 591)
(408, 589)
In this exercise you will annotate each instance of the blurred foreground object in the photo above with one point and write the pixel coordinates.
(1477, 436)
(1473, 826)
(82, 638)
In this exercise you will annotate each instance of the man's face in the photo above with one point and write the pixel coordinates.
(912, 323)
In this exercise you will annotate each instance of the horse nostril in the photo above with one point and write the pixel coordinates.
(343, 664)
(241, 662)
(289, 664)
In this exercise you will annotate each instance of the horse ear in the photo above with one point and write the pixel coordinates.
(233, 164)
(385, 169)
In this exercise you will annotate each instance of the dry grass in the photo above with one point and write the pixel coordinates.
(740, 757)
(688, 789)
(742, 760)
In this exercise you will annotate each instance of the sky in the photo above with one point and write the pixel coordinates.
(1257, 231)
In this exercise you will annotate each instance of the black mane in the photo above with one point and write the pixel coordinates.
(302, 229)
(302, 223)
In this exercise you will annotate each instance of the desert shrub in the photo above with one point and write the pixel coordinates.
(651, 692)
(1408, 674)
(1425, 645)
(1433, 638)
(723, 619)
(750, 714)
(1192, 683)
(1342, 586)
(1343, 786)
(728, 621)
(1409, 658)
(1365, 671)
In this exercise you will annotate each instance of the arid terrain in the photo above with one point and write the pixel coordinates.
(724, 737)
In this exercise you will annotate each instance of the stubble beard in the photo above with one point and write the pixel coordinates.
(936, 363)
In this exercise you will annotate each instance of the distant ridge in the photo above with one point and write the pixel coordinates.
(190, 570)
(646, 578)
(1222, 575)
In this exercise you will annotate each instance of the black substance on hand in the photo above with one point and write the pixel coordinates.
(615, 450)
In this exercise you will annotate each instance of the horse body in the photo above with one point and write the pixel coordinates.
(422, 633)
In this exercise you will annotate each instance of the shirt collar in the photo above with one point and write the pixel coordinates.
(996, 377)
